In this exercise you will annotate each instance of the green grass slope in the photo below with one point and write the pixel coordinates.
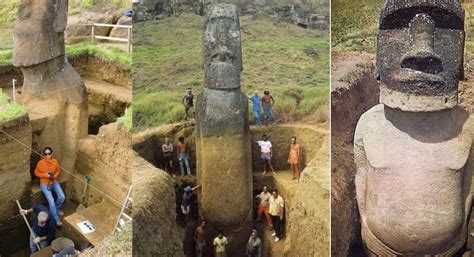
(291, 61)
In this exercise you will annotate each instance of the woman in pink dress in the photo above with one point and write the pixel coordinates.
(294, 159)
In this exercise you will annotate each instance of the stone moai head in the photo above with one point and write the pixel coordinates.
(420, 49)
(222, 53)
(38, 35)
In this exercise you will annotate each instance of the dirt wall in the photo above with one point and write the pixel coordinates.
(280, 137)
(94, 67)
(308, 216)
(105, 157)
(14, 182)
(9, 72)
(354, 91)
(148, 143)
(155, 232)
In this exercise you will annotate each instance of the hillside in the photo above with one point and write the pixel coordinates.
(293, 62)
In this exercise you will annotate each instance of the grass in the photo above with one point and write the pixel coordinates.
(274, 56)
(105, 52)
(354, 24)
(126, 119)
(9, 110)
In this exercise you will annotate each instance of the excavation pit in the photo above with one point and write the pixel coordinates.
(314, 142)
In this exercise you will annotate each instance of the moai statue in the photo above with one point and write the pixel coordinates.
(413, 151)
(222, 129)
(51, 88)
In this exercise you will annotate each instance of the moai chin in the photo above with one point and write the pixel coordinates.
(51, 88)
(222, 129)
(413, 151)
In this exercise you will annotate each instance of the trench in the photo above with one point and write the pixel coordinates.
(349, 100)
(148, 146)
(109, 94)
(108, 87)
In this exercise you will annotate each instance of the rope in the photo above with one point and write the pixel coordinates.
(67, 171)
(39, 154)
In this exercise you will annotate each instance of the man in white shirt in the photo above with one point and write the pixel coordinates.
(167, 148)
(277, 207)
(264, 206)
(266, 153)
(220, 243)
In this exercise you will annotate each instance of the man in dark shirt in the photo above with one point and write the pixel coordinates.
(43, 226)
(188, 101)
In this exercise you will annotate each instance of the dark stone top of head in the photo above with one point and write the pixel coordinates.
(398, 13)
(222, 10)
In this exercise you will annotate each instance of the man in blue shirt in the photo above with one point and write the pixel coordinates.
(256, 107)
(43, 226)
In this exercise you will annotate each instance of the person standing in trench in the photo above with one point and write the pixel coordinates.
(294, 159)
(183, 156)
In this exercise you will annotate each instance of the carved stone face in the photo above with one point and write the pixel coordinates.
(222, 54)
(38, 32)
(420, 54)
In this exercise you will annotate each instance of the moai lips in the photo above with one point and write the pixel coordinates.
(420, 54)
(413, 151)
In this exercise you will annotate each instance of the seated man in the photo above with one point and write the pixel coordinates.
(43, 227)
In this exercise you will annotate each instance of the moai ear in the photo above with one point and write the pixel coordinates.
(60, 15)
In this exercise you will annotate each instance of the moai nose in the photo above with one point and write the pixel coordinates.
(422, 57)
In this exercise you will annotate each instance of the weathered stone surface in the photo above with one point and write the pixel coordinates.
(412, 182)
(51, 86)
(38, 33)
(413, 151)
(417, 69)
(222, 130)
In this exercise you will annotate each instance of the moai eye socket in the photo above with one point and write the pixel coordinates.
(442, 18)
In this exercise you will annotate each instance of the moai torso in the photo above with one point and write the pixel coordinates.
(412, 151)
(413, 181)
(52, 88)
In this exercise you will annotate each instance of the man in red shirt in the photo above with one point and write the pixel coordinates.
(48, 170)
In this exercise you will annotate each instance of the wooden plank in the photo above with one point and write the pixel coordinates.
(113, 38)
(112, 25)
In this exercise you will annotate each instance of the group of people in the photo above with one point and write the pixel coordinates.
(182, 154)
(259, 104)
(220, 242)
(45, 220)
(294, 156)
(265, 104)
(270, 204)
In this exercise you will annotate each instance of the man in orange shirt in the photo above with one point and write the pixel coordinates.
(48, 170)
